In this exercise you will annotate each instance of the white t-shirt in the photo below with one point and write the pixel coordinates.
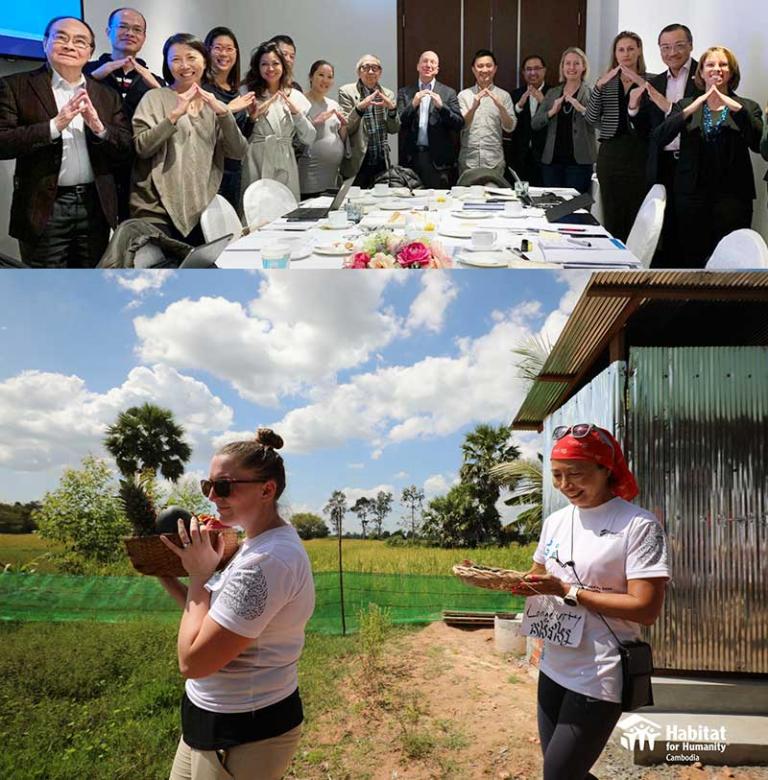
(266, 592)
(612, 543)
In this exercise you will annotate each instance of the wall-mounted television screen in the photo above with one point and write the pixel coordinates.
(23, 21)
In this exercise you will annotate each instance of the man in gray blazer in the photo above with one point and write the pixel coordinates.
(430, 119)
(371, 112)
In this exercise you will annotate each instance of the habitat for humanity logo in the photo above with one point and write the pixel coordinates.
(681, 743)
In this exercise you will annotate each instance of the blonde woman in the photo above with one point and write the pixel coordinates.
(570, 149)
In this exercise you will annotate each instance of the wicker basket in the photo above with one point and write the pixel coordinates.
(487, 576)
(150, 556)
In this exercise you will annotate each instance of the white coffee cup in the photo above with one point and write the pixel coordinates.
(513, 208)
(381, 188)
(483, 239)
(337, 218)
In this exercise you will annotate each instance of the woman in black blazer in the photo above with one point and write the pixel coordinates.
(714, 183)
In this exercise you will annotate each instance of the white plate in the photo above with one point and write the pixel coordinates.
(483, 260)
(473, 214)
(455, 232)
(328, 226)
(331, 249)
(532, 213)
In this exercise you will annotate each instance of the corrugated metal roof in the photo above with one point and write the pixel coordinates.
(606, 305)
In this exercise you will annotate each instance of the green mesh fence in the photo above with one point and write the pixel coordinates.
(410, 598)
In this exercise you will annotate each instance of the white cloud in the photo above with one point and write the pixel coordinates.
(435, 396)
(293, 337)
(50, 420)
(429, 307)
(140, 282)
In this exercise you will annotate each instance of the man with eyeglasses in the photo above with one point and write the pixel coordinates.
(371, 112)
(67, 134)
(527, 144)
(122, 70)
(430, 117)
(648, 108)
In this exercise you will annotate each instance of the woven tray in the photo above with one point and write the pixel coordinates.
(150, 556)
(488, 577)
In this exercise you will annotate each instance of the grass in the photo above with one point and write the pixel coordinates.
(358, 556)
(89, 700)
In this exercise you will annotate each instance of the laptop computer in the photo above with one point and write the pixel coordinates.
(308, 214)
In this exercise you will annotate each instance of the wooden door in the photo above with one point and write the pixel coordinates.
(429, 25)
(548, 27)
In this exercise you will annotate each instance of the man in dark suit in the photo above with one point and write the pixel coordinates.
(125, 72)
(526, 145)
(430, 117)
(655, 101)
(67, 133)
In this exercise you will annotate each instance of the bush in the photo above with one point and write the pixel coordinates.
(84, 513)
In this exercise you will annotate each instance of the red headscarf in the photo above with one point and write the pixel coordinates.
(595, 448)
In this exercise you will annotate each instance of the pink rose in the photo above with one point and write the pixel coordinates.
(358, 260)
(414, 254)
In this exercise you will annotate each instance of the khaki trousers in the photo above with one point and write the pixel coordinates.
(266, 759)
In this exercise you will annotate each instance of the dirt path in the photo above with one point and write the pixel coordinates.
(440, 703)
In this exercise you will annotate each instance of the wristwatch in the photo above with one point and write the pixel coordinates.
(572, 597)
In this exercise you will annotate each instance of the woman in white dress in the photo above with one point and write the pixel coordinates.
(279, 115)
(319, 164)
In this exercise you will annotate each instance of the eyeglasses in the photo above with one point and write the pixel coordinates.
(62, 39)
(223, 487)
(371, 68)
(676, 47)
(580, 431)
(134, 28)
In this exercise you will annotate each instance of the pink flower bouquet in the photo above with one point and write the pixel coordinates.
(386, 250)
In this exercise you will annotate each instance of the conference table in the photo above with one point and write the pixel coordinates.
(525, 239)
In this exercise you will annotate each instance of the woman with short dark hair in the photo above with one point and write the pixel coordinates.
(278, 114)
(714, 182)
(182, 135)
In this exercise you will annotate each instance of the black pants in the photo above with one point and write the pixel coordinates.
(669, 249)
(621, 171)
(704, 218)
(573, 730)
(76, 234)
(369, 170)
(431, 176)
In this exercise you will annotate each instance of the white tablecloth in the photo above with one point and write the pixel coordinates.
(554, 245)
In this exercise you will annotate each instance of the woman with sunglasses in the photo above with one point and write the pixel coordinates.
(602, 560)
(242, 630)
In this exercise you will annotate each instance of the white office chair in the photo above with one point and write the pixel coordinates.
(597, 206)
(265, 200)
(742, 248)
(645, 233)
(219, 219)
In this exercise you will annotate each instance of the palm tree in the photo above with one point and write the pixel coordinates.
(528, 479)
(146, 439)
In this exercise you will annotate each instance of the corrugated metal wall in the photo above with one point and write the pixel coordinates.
(698, 445)
(600, 402)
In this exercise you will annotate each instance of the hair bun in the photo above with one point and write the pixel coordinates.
(269, 438)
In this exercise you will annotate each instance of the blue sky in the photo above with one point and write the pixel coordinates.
(371, 378)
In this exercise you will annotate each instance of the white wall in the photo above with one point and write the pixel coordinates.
(740, 25)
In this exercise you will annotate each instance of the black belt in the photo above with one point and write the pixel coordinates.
(78, 189)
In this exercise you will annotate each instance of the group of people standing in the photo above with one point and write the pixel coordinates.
(100, 141)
